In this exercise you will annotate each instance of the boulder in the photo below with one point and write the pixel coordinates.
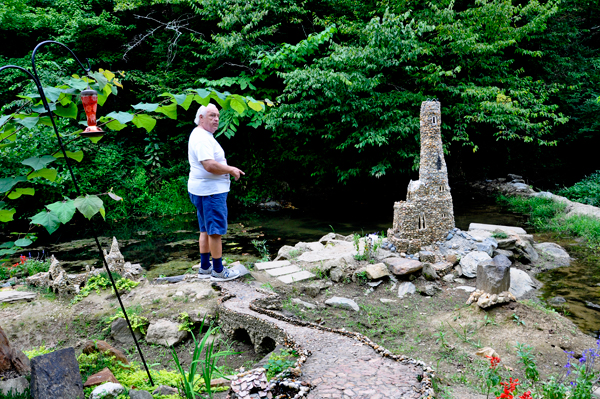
(165, 390)
(402, 266)
(336, 274)
(313, 289)
(304, 304)
(486, 247)
(377, 271)
(56, 375)
(14, 386)
(109, 390)
(427, 256)
(12, 359)
(342, 303)
(284, 252)
(103, 347)
(557, 301)
(452, 258)
(520, 283)
(105, 375)
(133, 394)
(470, 262)
(509, 254)
(525, 251)
(501, 260)
(309, 246)
(119, 331)
(429, 272)
(431, 290)
(553, 254)
(165, 332)
(406, 288)
(442, 268)
(449, 278)
(507, 243)
(492, 278)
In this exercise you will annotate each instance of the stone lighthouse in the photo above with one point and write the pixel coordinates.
(427, 214)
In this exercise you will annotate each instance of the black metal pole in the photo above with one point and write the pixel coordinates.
(40, 89)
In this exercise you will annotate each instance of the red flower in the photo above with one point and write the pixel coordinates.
(493, 361)
(509, 388)
(526, 395)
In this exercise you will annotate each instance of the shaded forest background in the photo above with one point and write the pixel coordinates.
(519, 84)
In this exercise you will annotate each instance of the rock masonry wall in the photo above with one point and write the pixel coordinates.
(427, 214)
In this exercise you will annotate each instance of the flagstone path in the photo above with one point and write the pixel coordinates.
(342, 364)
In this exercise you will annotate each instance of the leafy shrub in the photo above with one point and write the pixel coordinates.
(97, 283)
(587, 191)
(279, 362)
(38, 351)
(133, 313)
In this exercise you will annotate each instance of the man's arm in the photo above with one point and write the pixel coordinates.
(212, 166)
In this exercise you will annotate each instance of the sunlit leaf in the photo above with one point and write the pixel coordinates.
(256, 105)
(64, 210)
(122, 117)
(77, 155)
(145, 121)
(8, 182)
(17, 192)
(70, 111)
(47, 219)
(38, 163)
(52, 93)
(237, 105)
(145, 107)
(8, 133)
(115, 125)
(6, 215)
(188, 101)
(102, 212)
(88, 205)
(49, 174)
(100, 78)
(76, 84)
(4, 118)
(23, 242)
(202, 100)
(169, 110)
(45, 120)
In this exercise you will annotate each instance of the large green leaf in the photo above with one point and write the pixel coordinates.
(49, 174)
(28, 122)
(115, 125)
(38, 163)
(6, 215)
(256, 105)
(122, 117)
(145, 107)
(169, 110)
(77, 155)
(100, 78)
(41, 109)
(64, 210)
(8, 133)
(45, 120)
(4, 118)
(17, 192)
(76, 84)
(70, 111)
(201, 100)
(8, 182)
(188, 101)
(88, 205)
(145, 121)
(237, 105)
(23, 242)
(52, 93)
(47, 219)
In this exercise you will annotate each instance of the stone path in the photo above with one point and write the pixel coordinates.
(284, 271)
(340, 366)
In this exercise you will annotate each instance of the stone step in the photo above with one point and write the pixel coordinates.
(271, 265)
(492, 227)
(15, 296)
(292, 278)
(280, 271)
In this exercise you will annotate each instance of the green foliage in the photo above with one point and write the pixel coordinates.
(201, 369)
(95, 283)
(263, 250)
(279, 362)
(587, 191)
(186, 324)
(38, 351)
(527, 359)
(25, 268)
(138, 322)
(125, 285)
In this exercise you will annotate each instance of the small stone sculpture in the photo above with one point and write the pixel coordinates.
(485, 300)
(427, 214)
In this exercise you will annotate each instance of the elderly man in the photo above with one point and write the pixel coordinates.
(208, 186)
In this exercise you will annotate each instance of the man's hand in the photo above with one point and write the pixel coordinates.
(236, 173)
(216, 168)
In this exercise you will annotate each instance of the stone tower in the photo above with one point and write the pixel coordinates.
(427, 214)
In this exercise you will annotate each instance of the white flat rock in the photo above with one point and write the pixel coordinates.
(465, 288)
(280, 271)
(15, 296)
(291, 278)
(271, 265)
(338, 250)
(492, 227)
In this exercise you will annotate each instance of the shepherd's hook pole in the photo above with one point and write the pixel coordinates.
(40, 90)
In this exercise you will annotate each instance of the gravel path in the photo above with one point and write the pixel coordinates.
(340, 366)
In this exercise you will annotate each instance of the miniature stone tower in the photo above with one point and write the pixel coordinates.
(427, 214)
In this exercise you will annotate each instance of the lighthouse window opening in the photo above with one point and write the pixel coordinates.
(439, 162)
(422, 224)
(434, 120)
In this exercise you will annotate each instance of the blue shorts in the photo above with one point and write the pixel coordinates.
(212, 213)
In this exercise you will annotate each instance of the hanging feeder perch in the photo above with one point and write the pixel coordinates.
(89, 99)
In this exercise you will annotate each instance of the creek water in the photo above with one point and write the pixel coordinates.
(169, 245)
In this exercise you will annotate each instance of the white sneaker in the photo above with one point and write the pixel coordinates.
(225, 275)
(205, 273)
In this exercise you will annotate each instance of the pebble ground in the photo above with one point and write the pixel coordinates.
(340, 367)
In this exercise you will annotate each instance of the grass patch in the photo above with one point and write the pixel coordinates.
(586, 191)
(548, 215)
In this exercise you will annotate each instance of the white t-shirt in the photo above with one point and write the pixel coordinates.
(202, 146)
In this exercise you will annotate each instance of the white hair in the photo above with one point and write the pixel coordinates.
(202, 111)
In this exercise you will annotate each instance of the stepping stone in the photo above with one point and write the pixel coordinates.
(291, 278)
(271, 265)
(15, 296)
(280, 271)
(492, 227)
